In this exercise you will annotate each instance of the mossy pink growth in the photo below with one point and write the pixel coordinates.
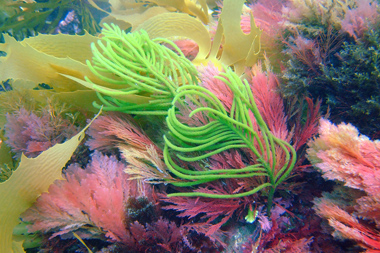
(269, 18)
(31, 134)
(358, 20)
(32, 177)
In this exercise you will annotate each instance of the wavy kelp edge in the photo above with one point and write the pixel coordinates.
(40, 59)
(32, 177)
(131, 15)
(239, 49)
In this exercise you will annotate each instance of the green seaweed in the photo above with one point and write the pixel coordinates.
(139, 66)
(354, 81)
(22, 19)
(225, 131)
(348, 82)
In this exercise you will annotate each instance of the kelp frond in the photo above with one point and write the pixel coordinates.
(131, 14)
(32, 177)
(230, 45)
(140, 66)
(242, 127)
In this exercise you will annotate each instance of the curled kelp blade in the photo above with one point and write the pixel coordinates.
(181, 26)
(239, 50)
(131, 19)
(237, 45)
(130, 14)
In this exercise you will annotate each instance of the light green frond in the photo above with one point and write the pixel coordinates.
(132, 63)
(224, 131)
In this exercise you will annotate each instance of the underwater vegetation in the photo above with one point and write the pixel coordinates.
(339, 64)
(29, 134)
(189, 126)
(22, 19)
(342, 154)
(355, 95)
(151, 72)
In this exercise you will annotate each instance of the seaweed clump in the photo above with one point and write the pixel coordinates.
(332, 53)
(353, 81)
(23, 19)
(346, 77)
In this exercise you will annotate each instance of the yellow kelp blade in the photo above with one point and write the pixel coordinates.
(75, 47)
(38, 61)
(5, 154)
(81, 99)
(181, 26)
(188, 6)
(134, 18)
(17, 247)
(239, 50)
(80, 239)
(118, 94)
(32, 177)
(128, 13)
(237, 45)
